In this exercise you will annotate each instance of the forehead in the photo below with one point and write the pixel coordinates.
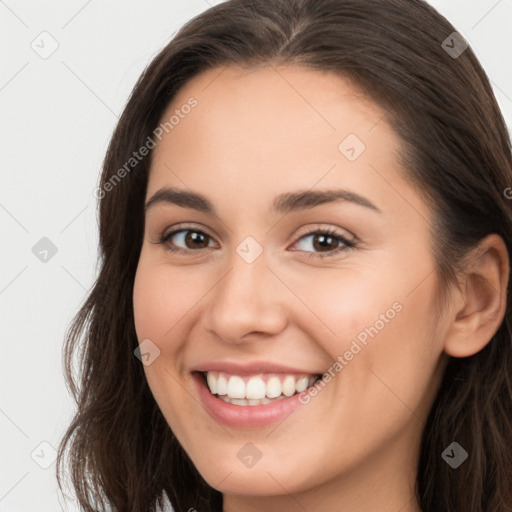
(267, 108)
(263, 100)
(259, 131)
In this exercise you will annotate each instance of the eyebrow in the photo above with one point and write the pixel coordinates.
(284, 203)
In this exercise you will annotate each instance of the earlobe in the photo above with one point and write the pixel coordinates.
(483, 299)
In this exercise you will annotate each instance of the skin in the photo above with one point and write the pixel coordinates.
(256, 134)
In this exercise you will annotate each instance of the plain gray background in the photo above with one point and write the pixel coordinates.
(57, 115)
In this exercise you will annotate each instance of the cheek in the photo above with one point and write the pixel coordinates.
(380, 326)
(161, 301)
(347, 305)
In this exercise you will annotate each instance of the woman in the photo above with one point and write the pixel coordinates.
(303, 299)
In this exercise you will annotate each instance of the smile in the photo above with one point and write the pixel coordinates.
(256, 390)
(250, 400)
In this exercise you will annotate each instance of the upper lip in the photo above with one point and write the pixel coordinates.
(255, 367)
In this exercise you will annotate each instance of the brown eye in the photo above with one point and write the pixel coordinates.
(196, 239)
(325, 243)
(186, 240)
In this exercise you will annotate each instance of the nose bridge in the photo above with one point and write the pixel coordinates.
(246, 299)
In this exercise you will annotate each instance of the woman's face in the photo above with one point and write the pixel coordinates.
(259, 295)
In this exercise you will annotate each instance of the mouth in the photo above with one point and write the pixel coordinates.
(255, 390)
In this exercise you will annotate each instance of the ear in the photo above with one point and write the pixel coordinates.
(482, 300)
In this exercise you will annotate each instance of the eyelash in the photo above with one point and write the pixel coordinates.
(347, 244)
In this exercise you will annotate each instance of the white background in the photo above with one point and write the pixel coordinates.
(56, 117)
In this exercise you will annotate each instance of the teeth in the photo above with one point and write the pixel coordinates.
(274, 388)
(302, 384)
(212, 382)
(236, 387)
(257, 389)
(289, 386)
(241, 401)
(236, 401)
(222, 385)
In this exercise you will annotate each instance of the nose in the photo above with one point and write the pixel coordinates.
(247, 302)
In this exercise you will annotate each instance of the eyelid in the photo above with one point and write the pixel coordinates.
(185, 226)
(311, 229)
(308, 230)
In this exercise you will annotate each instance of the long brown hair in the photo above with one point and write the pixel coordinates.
(120, 450)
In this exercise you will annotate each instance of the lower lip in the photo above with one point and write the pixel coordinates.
(244, 416)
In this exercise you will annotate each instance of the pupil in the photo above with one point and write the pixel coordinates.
(195, 237)
(325, 240)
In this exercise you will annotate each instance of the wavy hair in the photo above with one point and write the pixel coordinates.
(119, 448)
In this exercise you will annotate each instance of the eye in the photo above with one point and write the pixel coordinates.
(326, 242)
(321, 243)
(190, 239)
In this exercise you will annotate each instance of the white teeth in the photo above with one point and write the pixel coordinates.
(256, 390)
(301, 384)
(241, 401)
(236, 387)
(222, 385)
(274, 388)
(289, 386)
(236, 401)
(212, 382)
